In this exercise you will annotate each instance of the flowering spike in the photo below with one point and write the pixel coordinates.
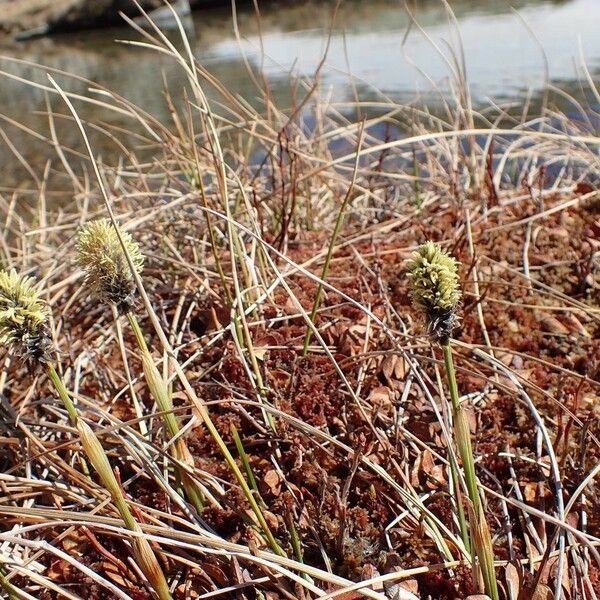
(435, 291)
(23, 316)
(102, 258)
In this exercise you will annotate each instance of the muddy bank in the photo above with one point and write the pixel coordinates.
(47, 16)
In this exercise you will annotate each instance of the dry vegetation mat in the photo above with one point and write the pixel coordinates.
(275, 416)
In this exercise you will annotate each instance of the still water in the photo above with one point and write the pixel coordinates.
(509, 48)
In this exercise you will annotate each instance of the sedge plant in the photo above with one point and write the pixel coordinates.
(436, 294)
(103, 253)
(23, 329)
(135, 281)
(107, 273)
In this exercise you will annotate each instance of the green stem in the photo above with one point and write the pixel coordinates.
(332, 242)
(143, 552)
(8, 587)
(462, 519)
(463, 441)
(225, 451)
(244, 458)
(139, 336)
(157, 385)
(59, 386)
(122, 506)
(295, 541)
(193, 494)
(62, 392)
(469, 472)
(480, 539)
(243, 484)
(317, 300)
(74, 417)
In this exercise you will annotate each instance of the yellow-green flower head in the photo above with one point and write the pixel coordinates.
(435, 291)
(107, 271)
(23, 316)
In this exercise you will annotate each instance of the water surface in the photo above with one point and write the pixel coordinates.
(509, 50)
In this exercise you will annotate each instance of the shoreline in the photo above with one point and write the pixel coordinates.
(23, 20)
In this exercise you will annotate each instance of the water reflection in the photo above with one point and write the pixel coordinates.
(369, 39)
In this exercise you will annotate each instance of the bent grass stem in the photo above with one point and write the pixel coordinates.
(97, 456)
